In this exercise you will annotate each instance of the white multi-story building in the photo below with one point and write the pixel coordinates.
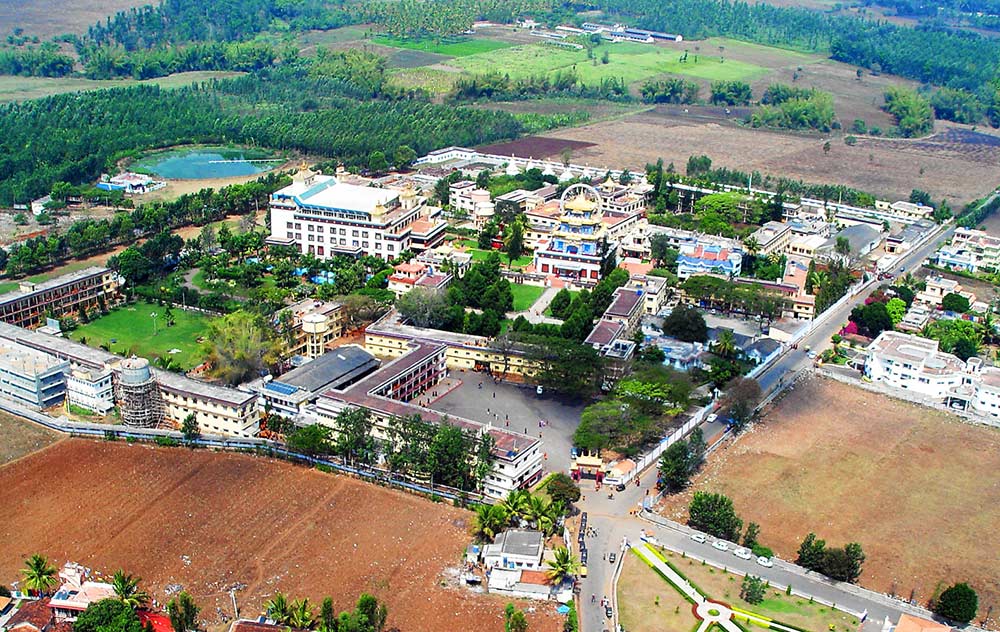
(971, 250)
(323, 216)
(30, 377)
(92, 389)
(913, 363)
(773, 237)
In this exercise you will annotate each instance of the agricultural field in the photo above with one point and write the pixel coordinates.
(21, 437)
(14, 88)
(221, 519)
(957, 164)
(132, 329)
(48, 18)
(914, 486)
(451, 47)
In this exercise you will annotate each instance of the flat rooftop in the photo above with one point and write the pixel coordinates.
(59, 281)
(333, 369)
(625, 301)
(328, 193)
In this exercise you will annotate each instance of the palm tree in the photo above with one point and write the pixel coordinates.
(490, 520)
(563, 565)
(515, 503)
(725, 344)
(127, 590)
(277, 609)
(819, 279)
(300, 615)
(751, 245)
(535, 511)
(548, 520)
(39, 575)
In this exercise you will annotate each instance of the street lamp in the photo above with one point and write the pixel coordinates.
(153, 316)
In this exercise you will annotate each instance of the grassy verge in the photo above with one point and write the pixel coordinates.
(525, 295)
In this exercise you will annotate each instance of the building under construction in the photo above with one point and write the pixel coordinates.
(137, 394)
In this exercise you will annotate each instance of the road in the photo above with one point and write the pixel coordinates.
(613, 519)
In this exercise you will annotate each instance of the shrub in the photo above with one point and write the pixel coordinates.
(958, 602)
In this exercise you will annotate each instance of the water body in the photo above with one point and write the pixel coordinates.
(206, 162)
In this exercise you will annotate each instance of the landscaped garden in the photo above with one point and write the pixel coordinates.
(525, 295)
(133, 329)
(723, 587)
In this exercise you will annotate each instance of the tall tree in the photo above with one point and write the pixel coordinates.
(183, 613)
(958, 603)
(127, 590)
(39, 576)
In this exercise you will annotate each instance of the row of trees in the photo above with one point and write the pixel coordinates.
(442, 453)
(520, 507)
(843, 564)
(368, 614)
(500, 86)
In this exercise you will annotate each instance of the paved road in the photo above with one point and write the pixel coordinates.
(613, 520)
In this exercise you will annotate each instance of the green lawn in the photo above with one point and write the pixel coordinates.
(525, 295)
(132, 328)
(481, 255)
(453, 46)
(628, 61)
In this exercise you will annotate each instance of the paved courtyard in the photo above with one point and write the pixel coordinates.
(521, 407)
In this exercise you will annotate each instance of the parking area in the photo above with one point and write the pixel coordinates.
(519, 406)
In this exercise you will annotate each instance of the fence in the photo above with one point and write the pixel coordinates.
(271, 448)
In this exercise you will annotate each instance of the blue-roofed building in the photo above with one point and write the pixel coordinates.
(705, 258)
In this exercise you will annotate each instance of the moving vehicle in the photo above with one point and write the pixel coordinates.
(711, 418)
(698, 537)
(612, 556)
(765, 561)
(608, 612)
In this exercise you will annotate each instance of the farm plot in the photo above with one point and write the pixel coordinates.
(21, 437)
(48, 18)
(916, 487)
(208, 521)
(890, 169)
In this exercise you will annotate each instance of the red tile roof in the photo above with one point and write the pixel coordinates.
(35, 614)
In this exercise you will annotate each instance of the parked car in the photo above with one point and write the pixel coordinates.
(612, 556)
(812, 355)
(711, 418)
(698, 537)
(608, 612)
(765, 561)
(742, 553)
(720, 545)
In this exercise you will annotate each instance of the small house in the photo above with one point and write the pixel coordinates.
(515, 549)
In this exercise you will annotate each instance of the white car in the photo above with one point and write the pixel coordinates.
(698, 537)
(765, 561)
(742, 553)
(719, 544)
(711, 418)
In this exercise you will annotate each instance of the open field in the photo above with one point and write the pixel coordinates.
(790, 609)
(132, 328)
(21, 437)
(207, 521)
(647, 603)
(525, 295)
(960, 169)
(452, 47)
(628, 61)
(915, 486)
(48, 18)
(22, 88)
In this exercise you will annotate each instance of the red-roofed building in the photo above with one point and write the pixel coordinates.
(410, 275)
(160, 622)
(33, 616)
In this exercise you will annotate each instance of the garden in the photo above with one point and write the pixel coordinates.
(164, 335)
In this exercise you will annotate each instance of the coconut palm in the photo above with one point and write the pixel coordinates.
(535, 511)
(39, 575)
(278, 609)
(563, 565)
(127, 590)
(490, 520)
(300, 615)
(515, 503)
(751, 245)
(550, 517)
(725, 344)
(819, 279)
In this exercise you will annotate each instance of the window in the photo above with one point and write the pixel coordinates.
(312, 237)
(366, 234)
(290, 235)
(320, 239)
(390, 247)
(343, 232)
(311, 228)
(364, 244)
(319, 250)
(354, 233)
(298, 236)
(343, 242)
(298, 226)
(319, 229)
(289, 225)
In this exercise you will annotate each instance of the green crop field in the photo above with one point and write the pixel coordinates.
(628, 61)
(525, 295)
(452, 47)
(132, 329)
(429, 79)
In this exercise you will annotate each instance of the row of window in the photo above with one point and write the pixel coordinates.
(313, 228)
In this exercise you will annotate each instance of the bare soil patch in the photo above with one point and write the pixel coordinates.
(887, 168)
(536, 147)
(207, 521)
(21, 437)
(916, 487)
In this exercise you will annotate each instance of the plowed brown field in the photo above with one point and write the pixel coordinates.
(208, 521)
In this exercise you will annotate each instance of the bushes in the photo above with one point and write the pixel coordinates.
(913, 113)
(714, 514)
(843, 564)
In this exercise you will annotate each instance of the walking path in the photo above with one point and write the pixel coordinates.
(536, 313)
